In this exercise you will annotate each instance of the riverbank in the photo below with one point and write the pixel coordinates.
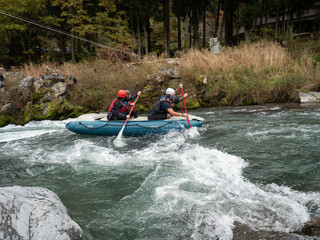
(249, 74)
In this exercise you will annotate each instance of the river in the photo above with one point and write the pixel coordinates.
(249, 173)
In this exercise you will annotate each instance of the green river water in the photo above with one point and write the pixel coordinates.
(248, 173)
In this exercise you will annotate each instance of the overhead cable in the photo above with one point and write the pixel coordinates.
(63, 32)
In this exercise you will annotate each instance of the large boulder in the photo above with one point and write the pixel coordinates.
(309, 96)
(37, 84)
(4, 97)
(9, 108)
(54, 77)
(25, 87)
(34, 213)
(13, 76)
(71, 81)
(169, 73)
(57, 90)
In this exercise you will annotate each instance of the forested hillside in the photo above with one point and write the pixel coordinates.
(34, 31)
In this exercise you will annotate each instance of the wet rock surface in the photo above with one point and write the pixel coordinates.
(35, 213)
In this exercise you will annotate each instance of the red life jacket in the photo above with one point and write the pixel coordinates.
(111, 106)
(126, 107)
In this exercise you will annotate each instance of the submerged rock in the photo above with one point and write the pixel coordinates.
(311, 228)
(34, 213)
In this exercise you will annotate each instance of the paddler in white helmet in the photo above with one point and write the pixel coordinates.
(171, 91)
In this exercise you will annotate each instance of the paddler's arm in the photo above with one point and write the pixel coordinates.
(173, 113)
(175, 91)
(134, 96)
(185, 96)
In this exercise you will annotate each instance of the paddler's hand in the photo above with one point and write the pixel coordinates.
(128, 116)
(139, 92)
(181, 85)
(186, 95)
(184, 115)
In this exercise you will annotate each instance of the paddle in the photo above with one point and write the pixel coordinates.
(121, 131)
(185, 107)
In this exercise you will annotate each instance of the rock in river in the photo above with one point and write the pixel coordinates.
(34, 213)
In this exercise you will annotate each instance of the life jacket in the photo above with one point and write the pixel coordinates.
(111, 106)
(157, 105)
(126, 107)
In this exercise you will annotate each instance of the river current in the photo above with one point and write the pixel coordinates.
(248, 173)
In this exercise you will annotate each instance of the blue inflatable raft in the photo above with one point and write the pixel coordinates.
(98, 124)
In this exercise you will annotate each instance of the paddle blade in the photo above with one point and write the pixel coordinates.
(118, 142)
(121, 132)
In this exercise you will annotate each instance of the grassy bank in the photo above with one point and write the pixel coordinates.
(254, 73)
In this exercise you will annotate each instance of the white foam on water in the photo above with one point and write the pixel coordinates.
(203, 186)
(208, 186)
(30, 130)
(285, 131)
(80, 151)
(5, 137)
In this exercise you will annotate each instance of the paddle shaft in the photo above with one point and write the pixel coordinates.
(185, 107)
(131, 111)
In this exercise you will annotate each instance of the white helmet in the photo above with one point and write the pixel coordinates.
(169, 91)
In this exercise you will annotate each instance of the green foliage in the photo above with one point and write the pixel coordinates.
(129, 25)
(109, 24)
(267, 33)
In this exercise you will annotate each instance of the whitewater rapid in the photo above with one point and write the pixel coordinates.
(179, 177)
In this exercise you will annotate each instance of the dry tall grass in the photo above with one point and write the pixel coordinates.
(257, 70)
(257, 55)
(100, 80)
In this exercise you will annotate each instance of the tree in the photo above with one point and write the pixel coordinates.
(18, 37)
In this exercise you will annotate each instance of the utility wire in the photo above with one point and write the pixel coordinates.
(63, 32)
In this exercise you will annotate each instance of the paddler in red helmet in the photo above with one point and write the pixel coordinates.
(116, 105)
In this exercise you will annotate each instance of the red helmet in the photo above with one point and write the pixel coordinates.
(122, 93)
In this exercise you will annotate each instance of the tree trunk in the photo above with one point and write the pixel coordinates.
(186, 30)
(255, 25)
(73, 48)
(196, 24)
(222, 24)
(190, 32)
(291, 23)
(133, 33)
(261, 14)
(62, 48)
(29, 46)
(277, 21)
(149, 33)
(204, 25)
(145, 35)
(266, 14)
(167, 27)
(299, 23)
(217, 19)
(179, 32)
(284, 20)
(288, 22)
(139, 36)
(229, 22)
